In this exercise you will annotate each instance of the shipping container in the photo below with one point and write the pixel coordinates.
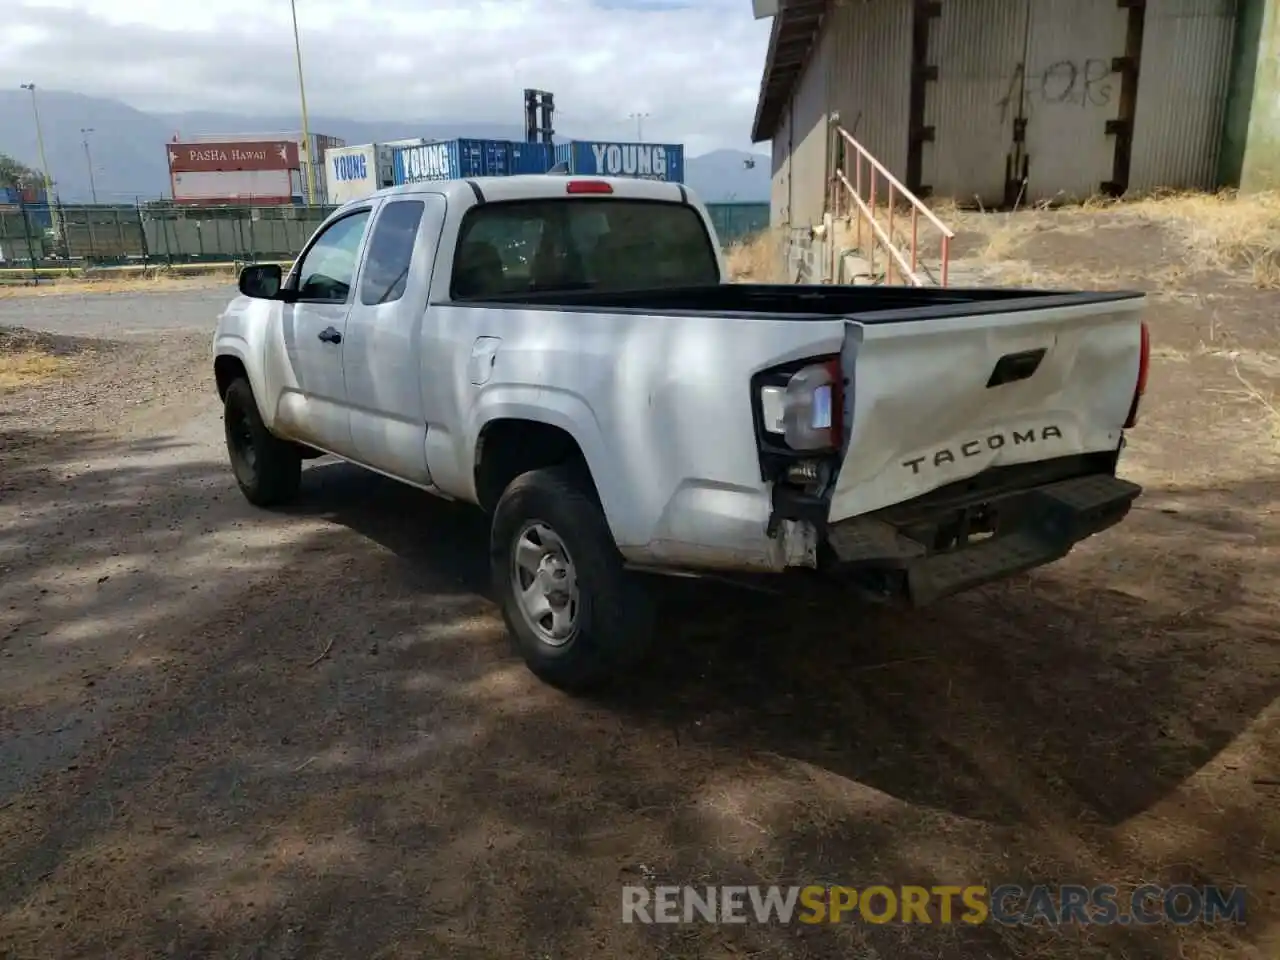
(386, 156)
(355, 172)
(232, 155)
(320, 142)
(428, 161)
(233, 186)
(14, 195)
(307, 156)
(602, 158)
(531, 157)
(408, 142)
(452, 160)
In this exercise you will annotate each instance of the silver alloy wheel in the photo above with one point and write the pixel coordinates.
(545, 582)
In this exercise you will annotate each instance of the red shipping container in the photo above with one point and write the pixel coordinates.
(227, 156)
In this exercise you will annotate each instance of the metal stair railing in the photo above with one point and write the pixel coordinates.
(907, 262)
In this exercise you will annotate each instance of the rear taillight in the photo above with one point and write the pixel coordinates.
(587, 186)
(812, 407)
(1144, 364)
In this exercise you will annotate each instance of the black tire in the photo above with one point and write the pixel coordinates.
(613, 626)
(268, 470)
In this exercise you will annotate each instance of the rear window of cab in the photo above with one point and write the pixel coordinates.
(506, 248)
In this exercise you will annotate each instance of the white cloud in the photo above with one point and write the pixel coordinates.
(694, 68)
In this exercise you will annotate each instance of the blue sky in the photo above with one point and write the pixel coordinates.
(692, 65)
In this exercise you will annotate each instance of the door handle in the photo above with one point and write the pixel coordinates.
(330, 335)
(1013, 367)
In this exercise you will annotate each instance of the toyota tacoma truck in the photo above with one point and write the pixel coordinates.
(568, 354)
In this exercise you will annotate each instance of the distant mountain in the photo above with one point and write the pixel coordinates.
(127, 145)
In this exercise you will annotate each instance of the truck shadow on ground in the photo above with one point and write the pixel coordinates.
(1111, 676)
(413, 792)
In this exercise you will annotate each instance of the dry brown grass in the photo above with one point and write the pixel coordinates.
(29, 358)
(29, 367)
(1221, 232)
(158, 281)
(1224, 231)
(758, 259)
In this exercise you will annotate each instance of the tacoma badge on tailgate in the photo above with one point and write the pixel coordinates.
(992, 442)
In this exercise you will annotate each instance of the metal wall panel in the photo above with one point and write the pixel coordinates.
(1070, 92)
(808, 112)
(870, 77)
(977, 47)
(780, 181)
(1182, 92)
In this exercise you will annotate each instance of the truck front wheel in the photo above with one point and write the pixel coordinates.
(268, 469)
(572, 612)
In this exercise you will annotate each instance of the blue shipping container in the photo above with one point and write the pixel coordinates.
(485, 158)
(26, 195)
(564, 154)
(531, 157)
(451, 160)
(647, 161)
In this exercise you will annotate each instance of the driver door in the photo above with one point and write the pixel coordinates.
(313, 405)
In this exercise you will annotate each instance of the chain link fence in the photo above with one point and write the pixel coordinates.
(735, 222)
(107, 235)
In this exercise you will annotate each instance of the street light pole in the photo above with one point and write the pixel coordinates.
(640, 118)
(302, 94)
(88, 159)
(44, 163)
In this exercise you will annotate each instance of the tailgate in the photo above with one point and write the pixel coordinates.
(937, 400)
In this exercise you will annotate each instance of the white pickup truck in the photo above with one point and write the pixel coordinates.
(568, 354)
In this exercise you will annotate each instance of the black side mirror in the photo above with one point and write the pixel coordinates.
(262, 281)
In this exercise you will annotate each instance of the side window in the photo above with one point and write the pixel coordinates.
(329, 268)
(390, 252)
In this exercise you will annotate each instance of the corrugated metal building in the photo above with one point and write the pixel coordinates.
(997, 101)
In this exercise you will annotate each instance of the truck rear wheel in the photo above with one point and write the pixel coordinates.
(572, 612)
(268, 470)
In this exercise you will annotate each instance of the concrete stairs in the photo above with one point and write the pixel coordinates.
(861, 264)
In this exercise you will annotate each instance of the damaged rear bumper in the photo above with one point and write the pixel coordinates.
(927, 550)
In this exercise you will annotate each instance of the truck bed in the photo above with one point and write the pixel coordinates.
(940, 384)
(799, 302)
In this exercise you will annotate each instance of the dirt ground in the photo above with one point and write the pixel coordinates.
(231, 733)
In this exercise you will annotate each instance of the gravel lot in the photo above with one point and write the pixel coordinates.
(185, 771)
(119, 314)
